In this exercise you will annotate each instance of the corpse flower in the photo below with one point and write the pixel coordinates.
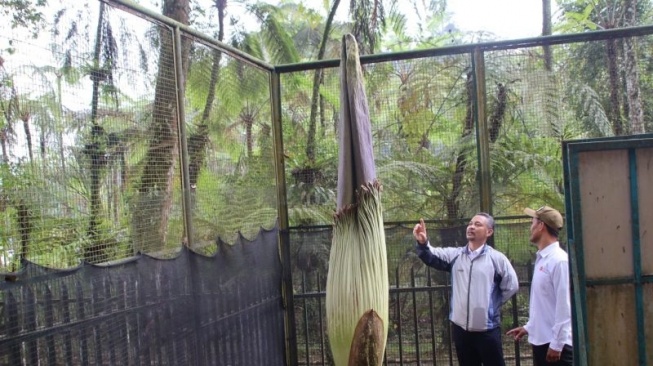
(357, 292)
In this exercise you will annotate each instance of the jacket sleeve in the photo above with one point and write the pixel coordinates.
(438, 258)
(509, 284)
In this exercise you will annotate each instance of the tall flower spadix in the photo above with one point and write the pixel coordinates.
(357, 283)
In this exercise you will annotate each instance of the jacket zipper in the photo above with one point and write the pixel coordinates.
(469, 291)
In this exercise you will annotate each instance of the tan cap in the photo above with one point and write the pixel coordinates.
(548, 215)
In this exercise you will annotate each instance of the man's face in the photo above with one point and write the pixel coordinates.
(478, 230)
(536, 230)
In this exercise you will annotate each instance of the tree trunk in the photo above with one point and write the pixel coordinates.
(614, 111)
(150, 214)
(197, 142)
(3, 143)
(25, 117)
(24, 218)
(317, 77)
(546, 31)
(62, 153)
(248, 120)
(453, 206)
(322, 111)
(93, 253)
(499, 112)
(9, 112)
(631, 72)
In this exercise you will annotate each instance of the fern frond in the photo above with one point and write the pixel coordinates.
(591, 107)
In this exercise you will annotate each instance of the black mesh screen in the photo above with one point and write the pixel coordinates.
(189, 310)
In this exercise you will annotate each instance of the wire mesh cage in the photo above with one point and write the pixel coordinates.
(128, 135)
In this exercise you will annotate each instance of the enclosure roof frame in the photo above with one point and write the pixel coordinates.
(469, 48)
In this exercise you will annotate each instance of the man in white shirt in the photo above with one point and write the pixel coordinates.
(549, 321)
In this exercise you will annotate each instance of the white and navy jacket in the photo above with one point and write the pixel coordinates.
(479, 286)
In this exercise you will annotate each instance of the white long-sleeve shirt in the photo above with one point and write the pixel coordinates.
(550, 302)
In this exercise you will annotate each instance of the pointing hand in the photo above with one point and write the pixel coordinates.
(419, 232)
(517, 333)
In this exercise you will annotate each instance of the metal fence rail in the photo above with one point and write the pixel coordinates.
(419, 330)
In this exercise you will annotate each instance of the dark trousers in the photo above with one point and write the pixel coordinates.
(539, 356)
(478, 348)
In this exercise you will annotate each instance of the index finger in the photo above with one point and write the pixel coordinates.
(421, 222)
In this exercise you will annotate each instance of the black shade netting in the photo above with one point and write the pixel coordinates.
(225, 309)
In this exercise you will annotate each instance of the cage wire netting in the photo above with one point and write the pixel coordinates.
(94, 151)
(427, 157)
(99, 266)
(95, 201)
(425, 149)
(230, 148)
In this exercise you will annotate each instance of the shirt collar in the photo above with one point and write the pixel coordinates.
(549, 249)
(477, 251)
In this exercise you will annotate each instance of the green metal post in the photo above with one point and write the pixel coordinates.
(183, 162)
(482, 132)
(573, 264)
(577, 260)
(637, 257)
(282, 210)
(183, 146)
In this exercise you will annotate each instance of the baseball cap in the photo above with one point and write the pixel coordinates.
(548, 215)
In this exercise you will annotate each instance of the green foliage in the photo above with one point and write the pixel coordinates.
(419, 111)
(278, 43)
(575, 21)
(237, 202)
(591, 111)
(25, 14)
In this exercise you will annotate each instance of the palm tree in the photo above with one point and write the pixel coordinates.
(273, 43)
(150, 213)
(197, 141)
(620, 56)
(52, 113)
(9, 109)
(368, 21)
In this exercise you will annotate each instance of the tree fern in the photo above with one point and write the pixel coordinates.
(591, 110)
